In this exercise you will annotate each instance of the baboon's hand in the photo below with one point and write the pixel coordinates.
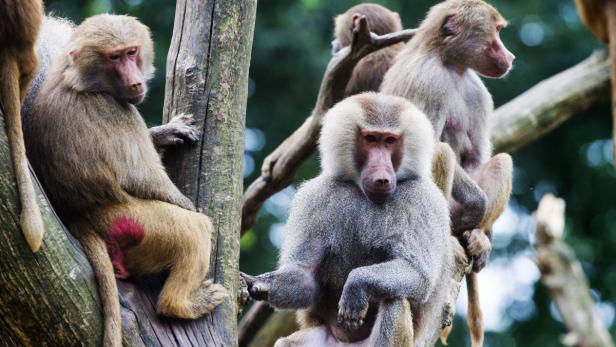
(180, 129)
(476, 242)
(478, 246)
(480, 260)
(258, 289)
(269, 162)
(462, 260)
(242, 293)
(352, 307)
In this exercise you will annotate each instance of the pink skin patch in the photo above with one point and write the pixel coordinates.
(452, 123)
(124, 231)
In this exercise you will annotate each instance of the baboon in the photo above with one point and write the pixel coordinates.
(53, 37)
(97, 162)
(367, 252)
(369, 71)
(438, 71)
(19, 28)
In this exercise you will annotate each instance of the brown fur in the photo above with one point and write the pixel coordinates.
(368, 73)
(21, 21)
(96, 160)
(438, 71)
(593, 16)
(443, 166)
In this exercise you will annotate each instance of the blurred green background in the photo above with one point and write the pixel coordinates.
(290, 51)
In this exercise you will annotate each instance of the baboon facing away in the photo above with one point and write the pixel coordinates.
(21, 20)
(369, 71)
(369, 236)
(98, 164)
(438, 71)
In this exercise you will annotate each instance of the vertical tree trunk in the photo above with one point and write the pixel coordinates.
(208, 77)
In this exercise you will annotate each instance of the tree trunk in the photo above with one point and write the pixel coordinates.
(51, 297)
(208, 77)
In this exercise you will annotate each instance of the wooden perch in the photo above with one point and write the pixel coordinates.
(562, 275)
(550, 102)
(51, 297)
(261, 327)
(207, 69)
(48, 296)
(281, 165)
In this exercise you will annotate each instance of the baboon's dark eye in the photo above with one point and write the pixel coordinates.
(390, 140)
(370, 138)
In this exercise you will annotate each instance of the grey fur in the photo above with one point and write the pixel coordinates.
(343, 256)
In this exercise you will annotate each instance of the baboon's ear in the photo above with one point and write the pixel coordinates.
(71, 55)
(450, 26)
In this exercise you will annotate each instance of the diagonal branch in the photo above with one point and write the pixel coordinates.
(551, 102)
(281, 166)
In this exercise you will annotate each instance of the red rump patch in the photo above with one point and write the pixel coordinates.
(123, 232)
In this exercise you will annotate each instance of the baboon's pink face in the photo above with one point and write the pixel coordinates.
(378, 155)
(125, 65)
(497, 60)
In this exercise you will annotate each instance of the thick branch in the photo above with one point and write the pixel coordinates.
(562, 274)
(48, 296)
(252, 322)
(282, 165)
(548, 104)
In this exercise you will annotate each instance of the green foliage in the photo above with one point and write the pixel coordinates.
(290, 51)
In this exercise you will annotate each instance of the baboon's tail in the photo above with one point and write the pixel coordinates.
(96, 251)
(30, 220)
(474, 318)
